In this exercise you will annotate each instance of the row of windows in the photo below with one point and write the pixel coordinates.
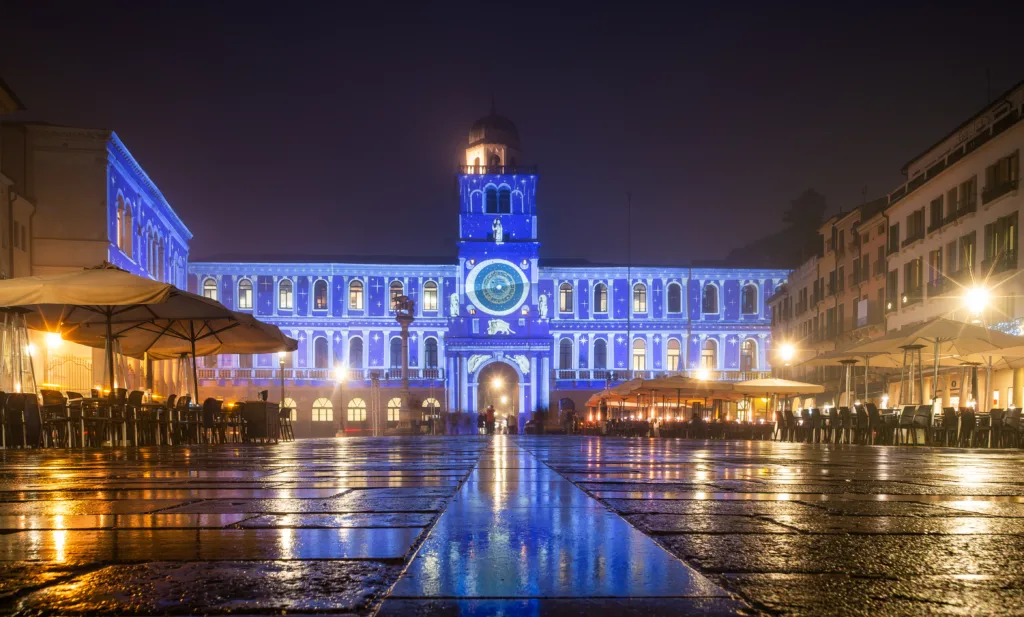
(321, 353)
(709, 298)
(673, 354)
(323, 409)
(286, 294)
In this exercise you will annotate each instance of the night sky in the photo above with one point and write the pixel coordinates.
(312, 128)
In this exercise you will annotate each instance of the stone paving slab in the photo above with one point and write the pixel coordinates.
(110, 521)
(339, 521)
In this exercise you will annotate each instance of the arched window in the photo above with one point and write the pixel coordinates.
(321, 356)
(494, 161)
(672, 356)
(476, 165)
(245, 294)
(491, 200)
(320, 295)
(323, 410)
(565, 354)
(565, 304)
(600, 298)
(429, 296)
(210, 289)
(285, 295)
(396, 352)
(504, 200)
(600, 354)
(639, 298)
(120, 223)
(129, 232)
(432, 405)
(639, 355)
(430, 353)
(748, 355)
(749, 300)
(709, 354)
(355, 295)
(355, 353)
(356, 410)
(394, 410)
(709, 302)
(396, 290)
(675, 298)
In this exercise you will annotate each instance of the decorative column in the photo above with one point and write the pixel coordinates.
(544, 378)
(405, 309)
(463, 385)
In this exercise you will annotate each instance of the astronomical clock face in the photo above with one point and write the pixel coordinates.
(497, 287)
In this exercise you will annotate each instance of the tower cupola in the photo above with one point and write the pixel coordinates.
(493, 145)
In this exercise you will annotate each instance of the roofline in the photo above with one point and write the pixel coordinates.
(18, 105)
(123, 149)
(979, 113)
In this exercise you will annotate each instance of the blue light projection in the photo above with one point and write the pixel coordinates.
(497, 303)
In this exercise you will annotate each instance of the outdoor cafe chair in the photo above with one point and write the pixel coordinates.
(816, 423)
(875, 427)
(861, 426)
(829, 422)
(211, 422)
(1011, 428)
(789, 425)
(944, 431)
(55, 421)
(923, 422)
(22, 422)
(968, 426)
(905, 429)
(844, 428)
(116, 405)
(136, 415)
(995, 423)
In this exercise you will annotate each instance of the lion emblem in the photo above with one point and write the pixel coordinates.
(499, 326)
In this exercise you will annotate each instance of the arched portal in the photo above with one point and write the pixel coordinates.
(498, 385)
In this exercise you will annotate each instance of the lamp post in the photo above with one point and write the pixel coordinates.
(340, 375)
(405, 307)
(280, 362)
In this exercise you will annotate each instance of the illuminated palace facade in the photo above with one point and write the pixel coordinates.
(497, 326)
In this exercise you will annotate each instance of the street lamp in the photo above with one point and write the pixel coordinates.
(340, 375)
(976, 300)
(280, 361)
(703, 374)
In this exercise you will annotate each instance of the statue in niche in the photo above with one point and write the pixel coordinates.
(453, 304)
(542, 306)
(499, 235)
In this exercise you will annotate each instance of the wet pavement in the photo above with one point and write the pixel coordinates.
(517, 526)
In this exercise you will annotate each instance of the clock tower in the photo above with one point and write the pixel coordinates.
(501, 316)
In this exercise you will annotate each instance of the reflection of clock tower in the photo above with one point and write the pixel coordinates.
(500, 317)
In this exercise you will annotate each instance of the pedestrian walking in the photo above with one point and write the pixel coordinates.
(490, 419)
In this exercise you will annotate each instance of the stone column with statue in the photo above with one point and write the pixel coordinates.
(405, 308)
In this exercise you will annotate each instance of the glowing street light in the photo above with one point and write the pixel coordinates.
(703, 374)
(53, 340)
(787, 351)
(496, 383)
(976, 300)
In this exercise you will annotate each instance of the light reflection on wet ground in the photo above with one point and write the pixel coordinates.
(519, 526)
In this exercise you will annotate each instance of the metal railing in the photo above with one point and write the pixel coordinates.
(620, 375)
(497, 169)
(69, 372)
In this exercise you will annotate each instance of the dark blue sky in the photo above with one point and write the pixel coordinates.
(323, 128)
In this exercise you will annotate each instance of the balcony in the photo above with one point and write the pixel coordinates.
(937, 287)
(912, 239)
(316, 374)
(998, 190)
(498, 169)
(1001, 263)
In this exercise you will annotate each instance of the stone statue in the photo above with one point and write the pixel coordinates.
(542, 306)
(499, 235)
(523, 362)
(453, 305)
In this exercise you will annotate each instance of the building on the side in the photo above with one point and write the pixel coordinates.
(15, 210)
(955, 226)
(497, 325)
(93, 202)
(950, 232)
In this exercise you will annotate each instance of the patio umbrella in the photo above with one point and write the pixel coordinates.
(849, 355)
(100, 295)
(946, 338)
(219, 331)
(772, 385)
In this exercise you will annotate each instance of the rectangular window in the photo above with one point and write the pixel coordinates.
(565, 298)
(951, 266)
(673, 359)
(935, 215)
(915, 226)
(394, 414)
(357, 415)
(639, 359)
(245, 295)
(891, 287)
(965, 258)
(355, 296)
(894, 238)
(285, 296)
(912, 281)
(601, 299)
(640, 299)
(968, 201)
(1001, 178)
(1001, 244)
(880, 261)
(841, 278)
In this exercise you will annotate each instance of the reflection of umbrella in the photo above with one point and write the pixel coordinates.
(100, 295)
